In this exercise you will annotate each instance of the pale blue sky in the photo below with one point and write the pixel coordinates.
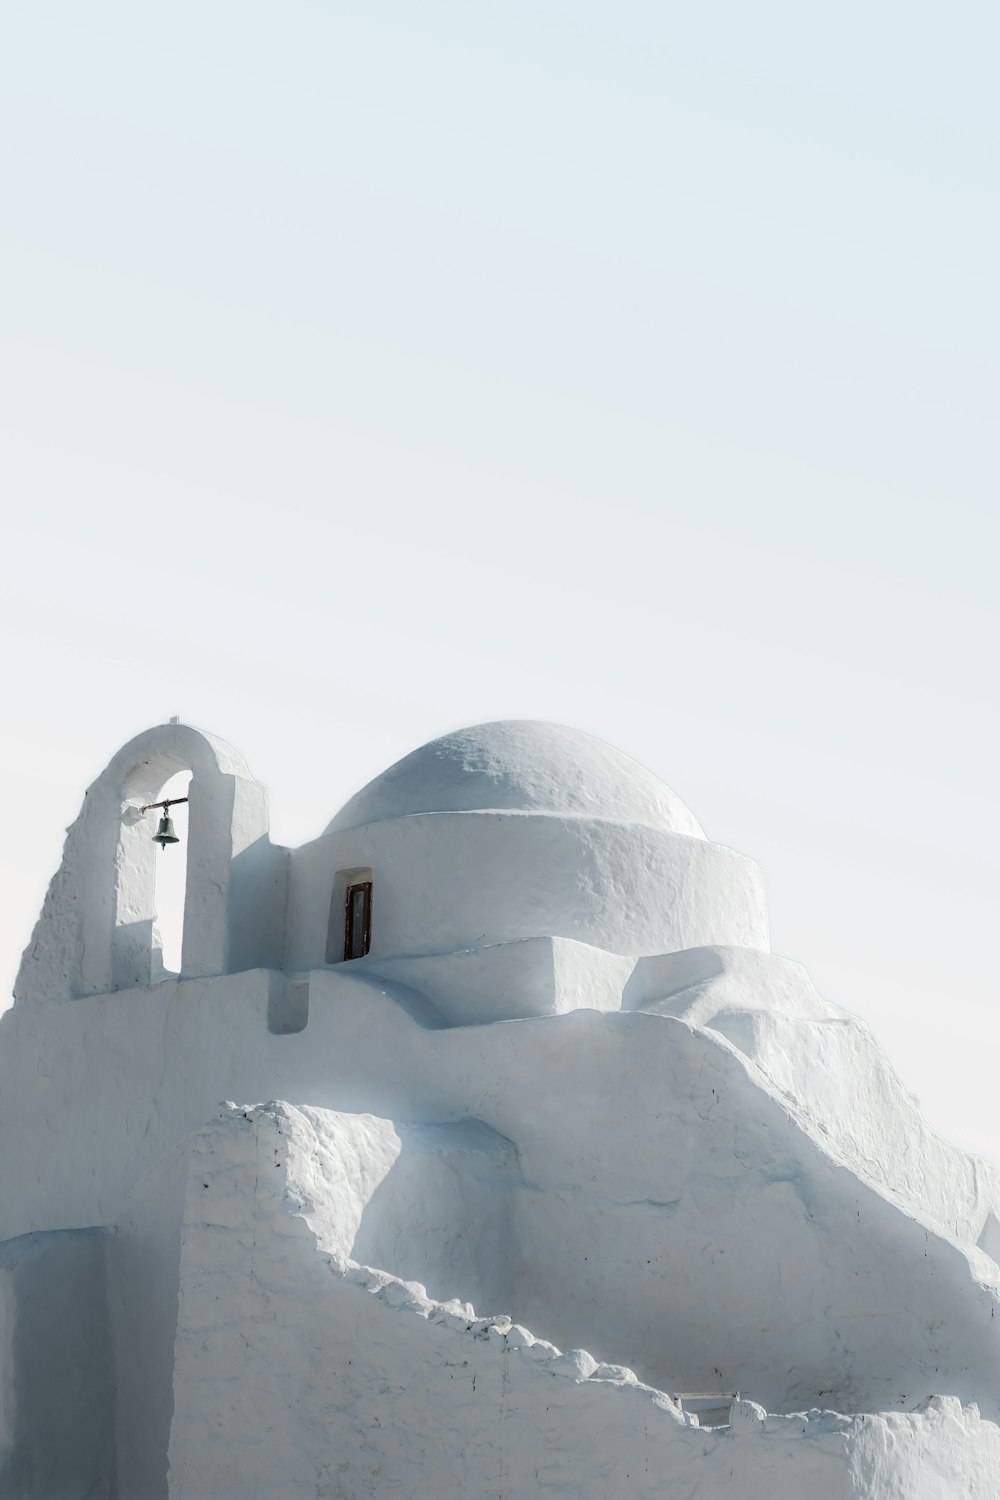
(370, 370)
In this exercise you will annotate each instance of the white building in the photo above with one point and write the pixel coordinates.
(541, 1072)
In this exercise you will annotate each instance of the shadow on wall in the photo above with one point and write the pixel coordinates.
(257, 876)
(56, 1384)
(288, 998)
(442, 1214)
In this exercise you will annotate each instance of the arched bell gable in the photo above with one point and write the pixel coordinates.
(95, 932)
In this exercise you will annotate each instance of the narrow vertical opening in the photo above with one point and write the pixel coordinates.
(358, 920)
(170, 881)
(349, 929)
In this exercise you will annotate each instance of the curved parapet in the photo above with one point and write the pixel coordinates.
(452, 880)
(95, 932)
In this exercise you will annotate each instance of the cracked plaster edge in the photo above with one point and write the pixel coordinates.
(578, 1365)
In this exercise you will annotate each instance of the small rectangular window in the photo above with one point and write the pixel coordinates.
(358, 920)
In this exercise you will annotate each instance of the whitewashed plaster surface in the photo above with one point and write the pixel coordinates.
(520, 766)
(652, 1157)
(502, 877)
(339, 1380)
(618, 1120)
(96, 931)
(830, 1067)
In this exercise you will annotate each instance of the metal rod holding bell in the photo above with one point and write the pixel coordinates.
(165, 834)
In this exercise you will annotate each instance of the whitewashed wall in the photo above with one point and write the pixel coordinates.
(299, 1372)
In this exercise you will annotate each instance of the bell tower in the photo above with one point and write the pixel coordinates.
(95, 932)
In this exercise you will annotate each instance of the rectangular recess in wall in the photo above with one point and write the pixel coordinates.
(338, 945)
(358, 920)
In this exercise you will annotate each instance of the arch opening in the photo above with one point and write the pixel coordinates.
(95, 933)
(170, 882)
(147, 877)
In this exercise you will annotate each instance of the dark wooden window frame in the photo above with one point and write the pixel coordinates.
(366, 933)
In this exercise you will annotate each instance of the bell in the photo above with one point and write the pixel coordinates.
(165, 834)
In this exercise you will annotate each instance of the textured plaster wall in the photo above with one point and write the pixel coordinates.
(671, 1207)
(464, 879)
(300, 1372)
(345, 1393)
(143, 1253)
(96, 929)
(508, 981)
(828, 1064)
(56, 1371)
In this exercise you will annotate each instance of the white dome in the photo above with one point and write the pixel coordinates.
(520, 766)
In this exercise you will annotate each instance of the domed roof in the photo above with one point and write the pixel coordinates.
(520, 766)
